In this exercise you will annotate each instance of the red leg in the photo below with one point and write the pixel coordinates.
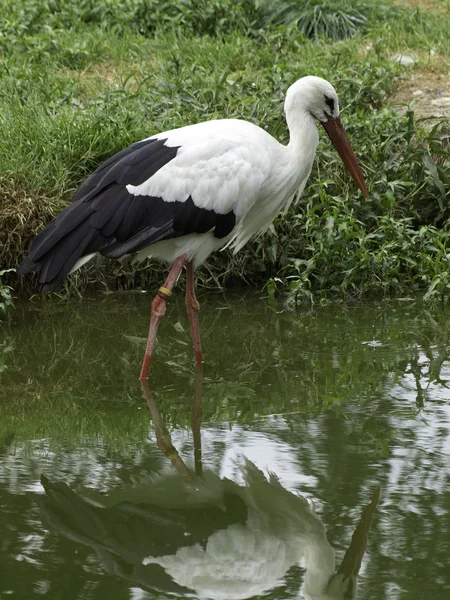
(192, 307)
(158, 311)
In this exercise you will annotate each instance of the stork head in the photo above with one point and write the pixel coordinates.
(317, 98)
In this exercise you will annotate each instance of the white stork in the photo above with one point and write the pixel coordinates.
(182, 194)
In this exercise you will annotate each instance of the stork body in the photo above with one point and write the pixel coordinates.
(182, 194)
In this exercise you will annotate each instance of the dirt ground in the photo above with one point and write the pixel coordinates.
(426, 91)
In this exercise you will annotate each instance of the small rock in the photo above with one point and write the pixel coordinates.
(441, 101)
(417, 93)
(404, 59)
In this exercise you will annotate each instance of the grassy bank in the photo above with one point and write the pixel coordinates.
(80, 80)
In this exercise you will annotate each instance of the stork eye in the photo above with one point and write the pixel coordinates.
(329, 102)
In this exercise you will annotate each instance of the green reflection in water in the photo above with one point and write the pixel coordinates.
(73, 368)
(334, 401)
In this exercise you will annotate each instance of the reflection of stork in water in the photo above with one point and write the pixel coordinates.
(202, 535)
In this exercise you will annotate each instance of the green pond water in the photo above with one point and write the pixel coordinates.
(255, 476)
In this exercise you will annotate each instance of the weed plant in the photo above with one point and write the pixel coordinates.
(80, 80)
(326, 18)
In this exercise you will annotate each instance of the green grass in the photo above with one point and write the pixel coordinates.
(80, 80)
(327, 18)
(202, 17)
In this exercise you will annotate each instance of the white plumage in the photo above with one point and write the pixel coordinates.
(249, 559)
(231, 165)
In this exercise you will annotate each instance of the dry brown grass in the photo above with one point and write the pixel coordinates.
(436, 6)
(22, 216)
(109, 74)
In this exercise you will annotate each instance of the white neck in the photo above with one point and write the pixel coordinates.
(304, 136)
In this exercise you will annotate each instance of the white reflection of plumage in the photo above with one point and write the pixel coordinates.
(247, 560)
(250, 537)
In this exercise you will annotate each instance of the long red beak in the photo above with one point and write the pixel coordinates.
(339, 137)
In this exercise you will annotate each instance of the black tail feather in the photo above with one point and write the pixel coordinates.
(59, 262)
(114, 227)
(67, 220)
(53, 266)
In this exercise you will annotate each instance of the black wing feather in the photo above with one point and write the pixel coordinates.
(109, 229)
(93, 180)
(141, 240)
(131, 220)
(104, 217)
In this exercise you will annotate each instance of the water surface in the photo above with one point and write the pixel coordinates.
(334, 401)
